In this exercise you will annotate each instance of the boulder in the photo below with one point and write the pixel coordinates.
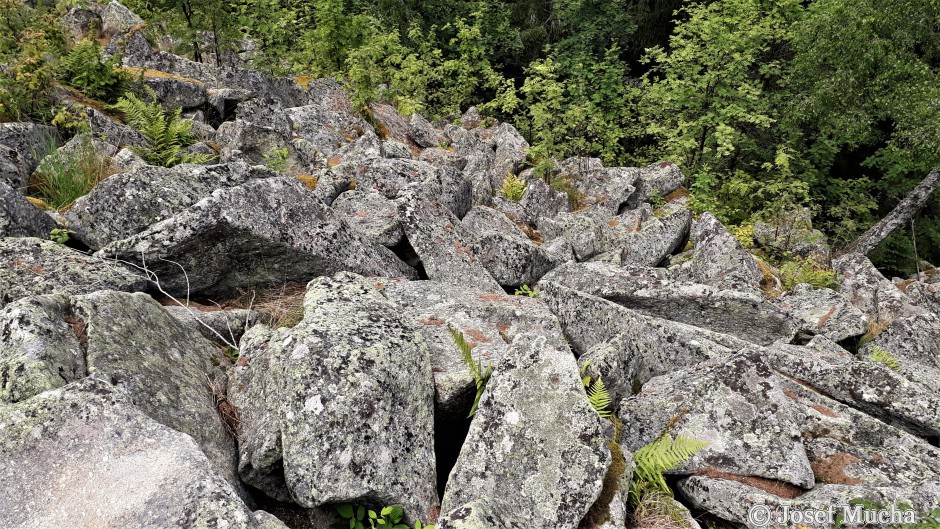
(445, 246)
(424, 134)
(511, 150)
(655, 240)
(870, 291)
(588, 236)
(535, 455)
(742, 314)
(719, 259)
(471, 119)
(655, 180)
(823, 312)
(116, 19)
(339, 408)
(913, 340)
(262, 232)
(371, 215)
(488, 322)
(925, 294)
(389, 124)
(34, 266)
(22, 145)
(220, 326)
(390, 177)
(126, 204)
(174, 91)
(327, 126)
(507, 254)
(443, 157)
(541, 201)
(95, 460)
(736, 405)
(80, 23)
(395, 149)
(19, 218)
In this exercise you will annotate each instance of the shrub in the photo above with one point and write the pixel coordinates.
(166, 132)
(83, 68)
(513, 187)
(801, 270)
(62, 178)
(526, 290)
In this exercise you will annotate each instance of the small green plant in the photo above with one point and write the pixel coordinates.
(480, 375)
(526, 290)
(356, 517)
(744, 233)
(166, 132)
(83, 68)
(62, 178)
(656, 199)
(276, 160)
(71, 119)
(513, 187)
(60, 235)
(596, 392)
(881, 355)
(802, 270)
(662, 454)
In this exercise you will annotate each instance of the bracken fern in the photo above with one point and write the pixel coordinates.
(596, 392)
(659, 456)
(166, 132)
(480, 375)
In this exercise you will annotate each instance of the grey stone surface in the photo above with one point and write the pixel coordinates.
(126, 204)
(586, 235)
(340, 407)
(95, 460)
(658, 179)
(913, 340)
(372, 215)
(447, 249)
(737, 406)
(263, 232)
(231, 324)
(868, 290)
(424, 134)
(655, 240)
(541, 201)
(823, 312)
(507, 254)
(32, 266)
(22, 145)
(19, 218)
(535, 455)
(719, 259)
(116, 19)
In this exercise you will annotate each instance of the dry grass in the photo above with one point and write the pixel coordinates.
(284, 305)
(157, 74)
(770, 282)
(660, 511)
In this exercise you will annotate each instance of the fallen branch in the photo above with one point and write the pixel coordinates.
(900, 215)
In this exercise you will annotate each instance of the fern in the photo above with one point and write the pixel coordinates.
(596, 392)
(882, 355)
(84, 69)
(166, 132)
(513, 187)
(480, 375)
(659, 456)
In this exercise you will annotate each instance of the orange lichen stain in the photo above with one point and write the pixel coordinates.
(832, 469)
(477, 336)
(157, 74)
(777, 488)
(308, 180)
(431, 320)
(825, 318)
(304, 81)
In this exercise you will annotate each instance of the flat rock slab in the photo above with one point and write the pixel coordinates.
(655, 240)
(339, 408)
(743, 314)
(19, 218)
(126, 204)
(446, 248)
(33, 266)
(737, 406)
(263, 232)
(372, 215)
(823, 312)
(487, 320)
(83, 456)
(719, 260)
(535, 455)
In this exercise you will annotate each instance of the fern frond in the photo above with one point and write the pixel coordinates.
(166, 133)
(480, 376)
(599, 398)
(661, 455)
(883, 356)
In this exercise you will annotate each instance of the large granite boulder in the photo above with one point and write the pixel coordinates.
(340, 407)
(719, 259)
(586, 235)
(22, 145)
(126, 204)
(655, 180)
(372, 215)
(870, 291)
(655, 239)
(266, 231)
(737, 406)
(19, 218)
(823, 312)
(535, 455)
(506, 252)
(95, 460)
(33, 266)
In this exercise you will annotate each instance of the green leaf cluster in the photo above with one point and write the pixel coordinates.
(881, 355)
(84, 69)
(356, 517)
(513, 187)
(480, 375)
(165, 131)
(652, 460)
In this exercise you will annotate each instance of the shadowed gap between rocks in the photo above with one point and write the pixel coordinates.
(450, 432)
(406, 252)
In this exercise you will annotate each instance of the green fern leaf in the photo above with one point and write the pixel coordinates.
(476, 367)
(599, 398)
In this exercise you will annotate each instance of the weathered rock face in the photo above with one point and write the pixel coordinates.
(823, 312)
(340, 407)
(126, 204)
(267, 231)
(655, 180)
(447, 250)
(737, 406)
(868, 290)
(21, 147)
(541, 201)
(86, 447)
(219, 326)
(33, 266)
(116, 19)
(535, 455)
(655, 240)
(719, 260)
(586, 235)
(914, 340)
(372, 215)
(19, 218)
(507, 254)
(745, 315)
(488, 322)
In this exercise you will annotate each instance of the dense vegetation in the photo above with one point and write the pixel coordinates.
(763, 103)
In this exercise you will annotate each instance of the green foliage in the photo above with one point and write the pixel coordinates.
(60, 235)
(356, 517)
(596, 392)
(61, 179)
(513, 187)
(480, 375)
(166, 132)
(83, 68)
(661, 455)
(276, 160)
(30, 41)
(526, 290)
(883, 356)
(800, 270)
(744, 233)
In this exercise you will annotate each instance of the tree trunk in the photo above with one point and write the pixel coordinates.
(900, 215)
